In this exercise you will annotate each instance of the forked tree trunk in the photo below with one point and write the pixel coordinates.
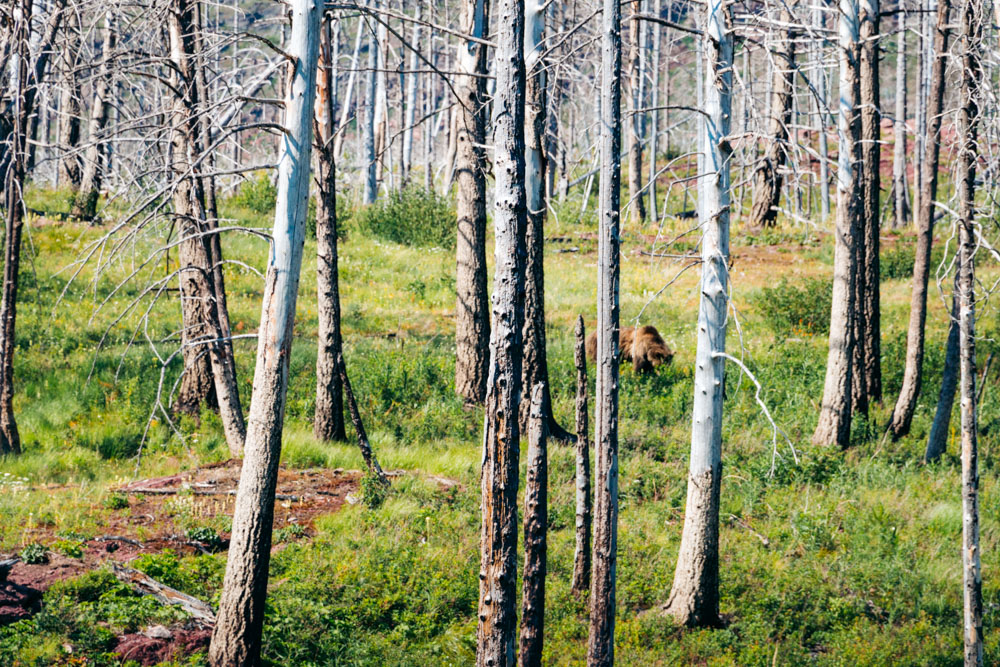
(937, 442)
(85, 202)
(535, 369)
(637, 204)
(536, 520)
(206, 334)
(906, 404)
(13, 182)
(972, 80)
(581, 559)
(472, 317)
(328, 419)
(834, 424)
(236, 639)
(601, 642)
(768, 178)
(498, 543)
(867, 378)
(901, 202)
(694, 599)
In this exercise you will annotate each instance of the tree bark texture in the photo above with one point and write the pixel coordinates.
(371, 112)
(472, 318)
(937, 442)
(834, 424)
(236, 639)
(906, 404)
(206, 332)
(867, 380)
(637, 204)
(901, 202)
(69, 106)
(821, 117)
(581, 558)
(768, 178)
(536, 521)
(85, 202)
(498, 544)
(328, 419)
(970, 46)
(601, 642)
(694, 598)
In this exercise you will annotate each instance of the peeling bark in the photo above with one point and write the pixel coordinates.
(536, 520)
(581, 559)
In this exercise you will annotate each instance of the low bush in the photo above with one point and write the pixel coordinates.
(412, 217)
(257, 194)
(800, 308)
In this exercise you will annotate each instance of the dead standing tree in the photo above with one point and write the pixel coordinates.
(472, 319)
(694, 598)
(536, 521)
(600, 647)
(236, 639)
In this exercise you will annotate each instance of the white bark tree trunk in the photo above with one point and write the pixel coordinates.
(835, 411)
(694, 599)
(371, 113)
(410, 115)
(601, 646)
(821, 113)
(899, 182)
(236, 639)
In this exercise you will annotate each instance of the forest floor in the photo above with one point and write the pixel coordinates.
(827, 557)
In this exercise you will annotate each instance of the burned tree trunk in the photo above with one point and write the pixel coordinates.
(601, 642)
(834, 424)
(472, 317)
(85, 202)
(581, 559)
(367, 453)
(536, 521)
(496, 632)
(328, 419)
(637, 204)
(69, 106)
(535, 368)
(938, 439)
(236, 639)
(906, 404)
(768, 178)
(901, 203)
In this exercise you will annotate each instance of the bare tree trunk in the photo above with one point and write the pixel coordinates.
(906, 404)
(654, 115)
(69, 105)
(821, 113)
(694, 599)
(973, 18)
(581, 559)
(867, 378)
(536, 521)
(328, 419)
(768, 178)
(498, 544)
(345, 111)
(938, 440)
(534, 369)
(236, 639)
(371, 111)
(899, 182)
(13, 181)
(835, 411)
(371, 461)
(206, 335)
(472, 319)
(601, 643)
(85, 202)
(412, 86)
(637, 204)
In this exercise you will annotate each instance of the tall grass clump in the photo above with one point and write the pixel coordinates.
(799, 308)
(411, 217)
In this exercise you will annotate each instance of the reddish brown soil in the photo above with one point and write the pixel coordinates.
(149, 651)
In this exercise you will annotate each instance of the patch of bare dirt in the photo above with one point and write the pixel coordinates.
(160, 644)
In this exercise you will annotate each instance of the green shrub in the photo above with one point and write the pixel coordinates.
(289, 533)
(112, 440)
(373, 491)
(257, 194)
(896, 261)
(206, 536)
(411, 217)
(71, 548)
(801, 308)
(116, 501)
(34, 554)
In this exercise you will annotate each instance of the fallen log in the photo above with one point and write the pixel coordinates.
(146, 585)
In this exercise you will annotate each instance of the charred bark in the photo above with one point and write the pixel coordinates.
(536, 521)
(581, 559)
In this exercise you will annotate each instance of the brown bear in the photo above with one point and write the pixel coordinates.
(645, 348)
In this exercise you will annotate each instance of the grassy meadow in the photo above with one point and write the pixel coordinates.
(838, 558)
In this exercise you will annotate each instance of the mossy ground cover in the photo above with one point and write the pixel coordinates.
(861, 565)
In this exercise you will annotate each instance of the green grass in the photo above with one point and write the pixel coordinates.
(862, 566)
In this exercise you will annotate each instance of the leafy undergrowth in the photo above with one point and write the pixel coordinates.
(861, 563)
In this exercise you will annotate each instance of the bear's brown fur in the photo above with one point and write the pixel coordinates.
(645, 349)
